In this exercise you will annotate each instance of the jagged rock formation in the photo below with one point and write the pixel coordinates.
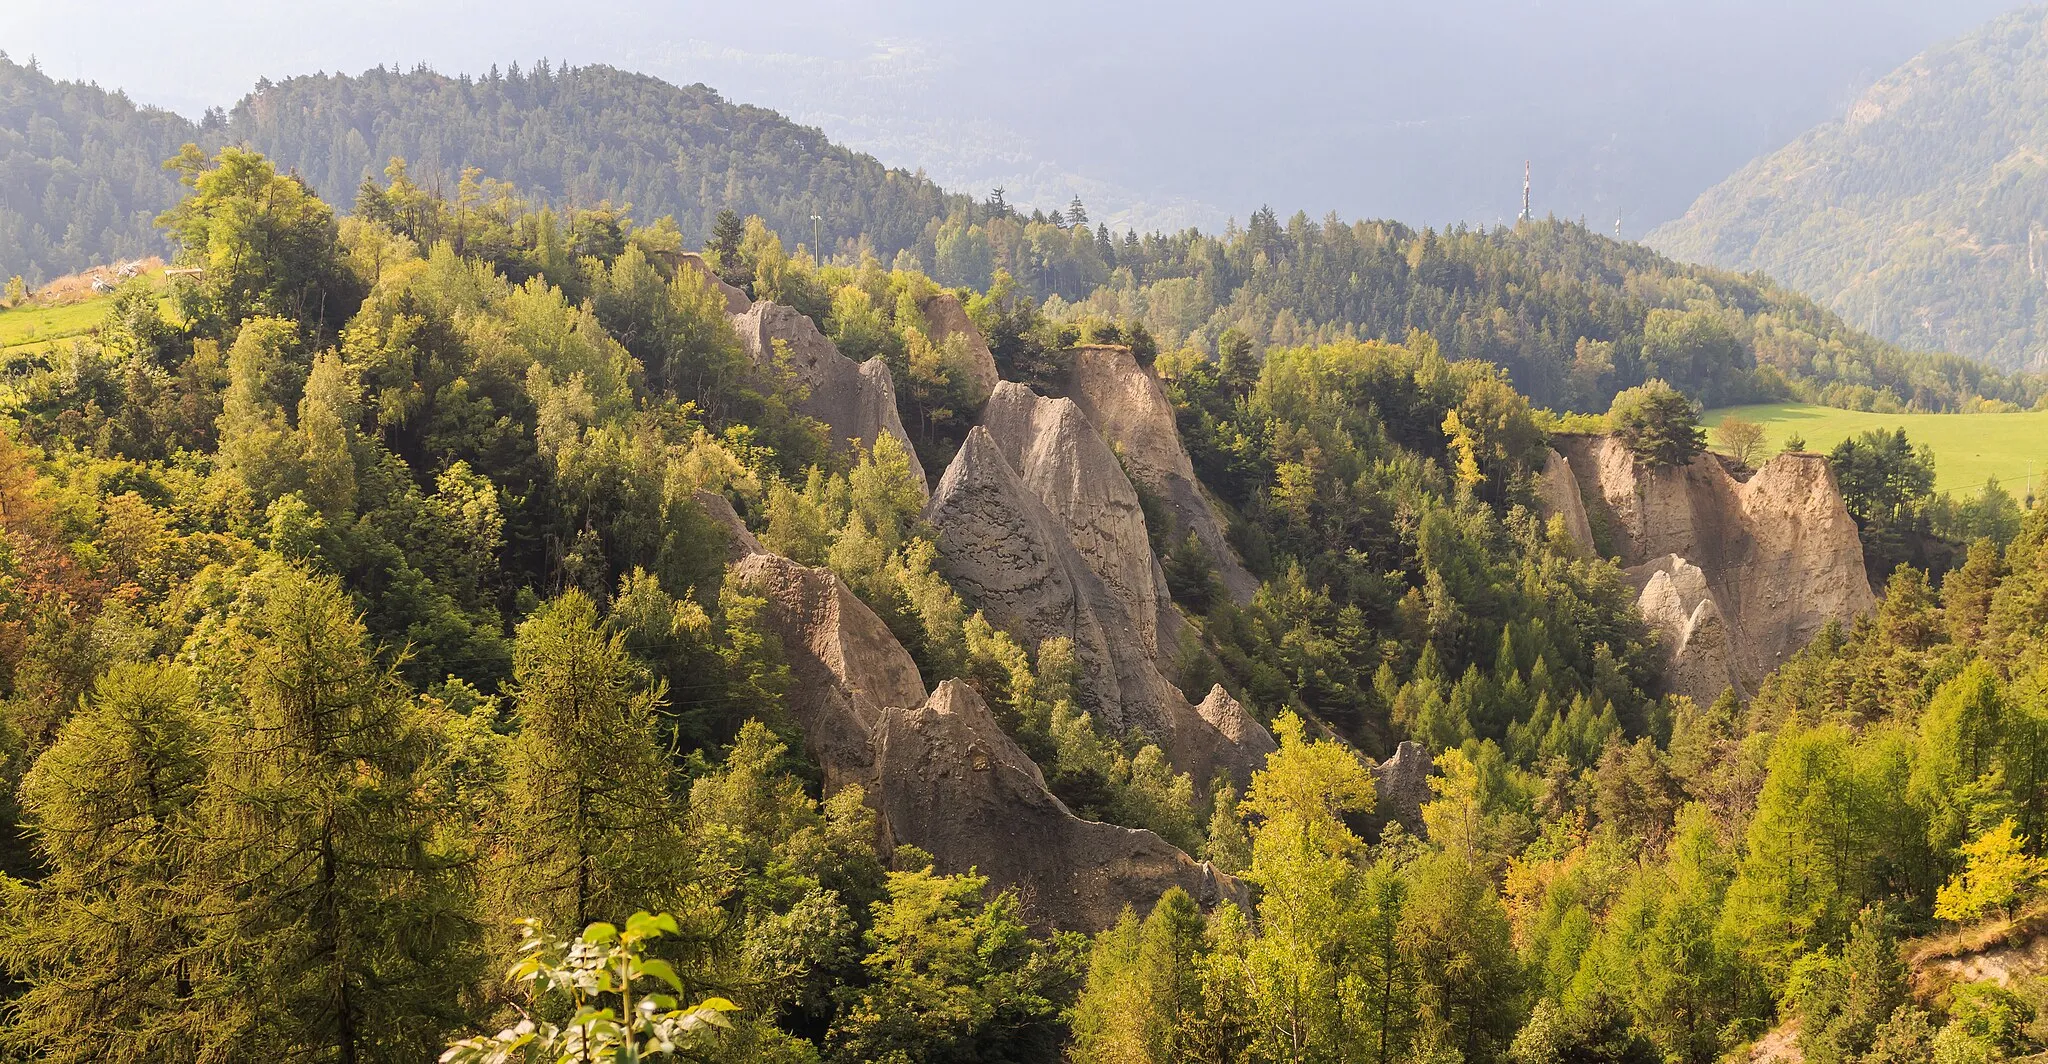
(739, 541)
(855, 400)
(1401, 786)
(1127, 404)
(1067, 466)
(1777, 556)
(1559, 491)
(940, 772)
(945, 318)
(1233, 740)
(736, 301)
(1013, 559)
(1679, 606)
(948, 780)
(845, 664)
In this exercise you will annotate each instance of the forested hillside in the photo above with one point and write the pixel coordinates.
(362, 601)
(1574, 317)
(1918, 214)
(84, 184)
(81, 174)
(377, 591)
(585, 135)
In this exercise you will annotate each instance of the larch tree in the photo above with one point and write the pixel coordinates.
(340, 921)
(589, 830)
(105, 941)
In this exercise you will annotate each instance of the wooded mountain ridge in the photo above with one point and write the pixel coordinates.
(1917, 214)
(1573, 316)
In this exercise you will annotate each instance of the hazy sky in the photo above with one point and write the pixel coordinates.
(1159, 112)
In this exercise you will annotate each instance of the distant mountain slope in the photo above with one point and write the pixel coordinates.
(81, 174)
(584, 134)
(1921, 215)
(81, 180)
(1573, 315)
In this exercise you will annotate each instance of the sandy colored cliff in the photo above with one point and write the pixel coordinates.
(855, 400)
(1126, 402)
(1736, 575)
(1015, 560)
(945, 319)
(938, 769)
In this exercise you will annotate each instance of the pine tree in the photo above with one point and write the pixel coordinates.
(727, 230)
(339, 920)
(589, 830)
(105, 941)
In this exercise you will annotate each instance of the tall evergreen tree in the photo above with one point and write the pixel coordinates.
(339, 918)
(589, 830)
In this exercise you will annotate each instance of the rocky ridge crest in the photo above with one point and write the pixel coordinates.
(938, 769)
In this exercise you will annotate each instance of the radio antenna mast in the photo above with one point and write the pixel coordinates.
(1526, 215)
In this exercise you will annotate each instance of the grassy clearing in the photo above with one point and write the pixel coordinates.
(1968, 448)
(68, 308)
(32, 327)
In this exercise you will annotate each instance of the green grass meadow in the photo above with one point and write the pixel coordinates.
(1968, 448)
(32, 328)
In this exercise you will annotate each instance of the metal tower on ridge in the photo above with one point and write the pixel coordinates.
(1526, 215)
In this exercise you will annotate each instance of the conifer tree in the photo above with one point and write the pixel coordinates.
(589, 830)
(105, 941)
(339, 921)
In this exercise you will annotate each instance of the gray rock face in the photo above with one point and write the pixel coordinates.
(947, 779)
(1127, 404)
(1401, 783)
(856, 401)
(1233, 741)
(845, 663)
(1680, 608)
(940, 772)
(1013, 559)
(736, 301)
(1064, 462)
(1778, 555)
(945, 318)
(1559, 491)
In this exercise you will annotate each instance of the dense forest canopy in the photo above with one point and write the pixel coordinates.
(365, 593)
(1572, 316)
(1917, 214)
(84, 185)
(81, 174)
(359, 603)
(586, 135)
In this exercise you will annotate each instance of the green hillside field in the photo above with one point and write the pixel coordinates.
(1968, 448)
(33, 327)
